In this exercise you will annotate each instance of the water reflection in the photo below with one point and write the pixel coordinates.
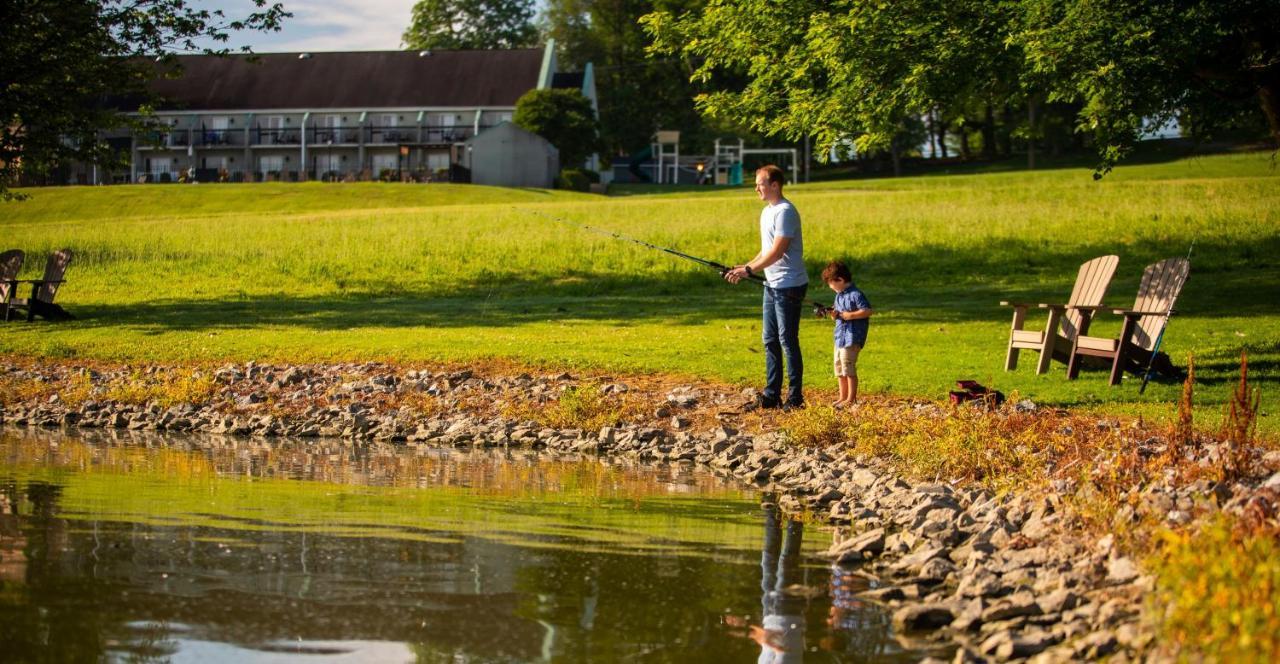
(196, 550)
(781, 634)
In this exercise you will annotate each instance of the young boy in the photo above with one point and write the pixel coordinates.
(851, 312)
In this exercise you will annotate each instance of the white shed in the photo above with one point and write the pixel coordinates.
(508, 156)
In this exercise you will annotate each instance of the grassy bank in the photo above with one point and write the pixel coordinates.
(388, 271)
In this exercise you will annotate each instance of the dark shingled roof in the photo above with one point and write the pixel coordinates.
(368, 79)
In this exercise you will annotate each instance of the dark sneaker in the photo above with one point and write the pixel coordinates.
(766, 402)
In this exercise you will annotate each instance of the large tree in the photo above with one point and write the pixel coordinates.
(842, 69)
(1132, 63)
(563, 117)
(637, 95)
(471, 24)
(62, 61)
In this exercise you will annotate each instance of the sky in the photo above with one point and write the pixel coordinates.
(324, 25)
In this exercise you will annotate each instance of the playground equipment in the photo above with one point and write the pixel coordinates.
(728, 161)
(661, 163)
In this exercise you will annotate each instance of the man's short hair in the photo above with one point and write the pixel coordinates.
(774, 173)
(836, 270)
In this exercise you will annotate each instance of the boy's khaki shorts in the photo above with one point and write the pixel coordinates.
(847, 361)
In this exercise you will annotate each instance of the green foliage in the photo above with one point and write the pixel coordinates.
(577, 179)
(636, 96)
(471, 24)
(366, 271)
(1218, 593)
(1133, 62)
(563, 117)
(61, 59)
(856, 70)
(815, 426)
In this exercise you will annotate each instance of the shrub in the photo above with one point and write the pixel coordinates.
(574, 179)
(1218, 590)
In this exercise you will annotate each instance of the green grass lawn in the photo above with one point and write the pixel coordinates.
(292, 272)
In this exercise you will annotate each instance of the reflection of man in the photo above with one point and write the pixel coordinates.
(781, 635)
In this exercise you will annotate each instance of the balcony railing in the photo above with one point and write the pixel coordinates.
(267, 136)
(292, 136)
(219, 137)
(334, 135)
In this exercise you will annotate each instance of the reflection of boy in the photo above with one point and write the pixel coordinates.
(851, 312)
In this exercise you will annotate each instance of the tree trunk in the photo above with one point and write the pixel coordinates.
(1006, 136)
(942, 136)
(896, 155)
(989, 134)
(964, 142)
(933, 135)
(1269, 98)
(1031, 133)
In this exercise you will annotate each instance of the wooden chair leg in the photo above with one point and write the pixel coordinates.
(1050, 341)
(1117, 363)
(1073, 365)
(1011, 357)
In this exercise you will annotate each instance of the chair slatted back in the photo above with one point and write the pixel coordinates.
(10, 266)
(1161, 284)
(1091, 286)
(54, 270)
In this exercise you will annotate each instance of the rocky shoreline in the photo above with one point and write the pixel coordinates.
(1001, 577)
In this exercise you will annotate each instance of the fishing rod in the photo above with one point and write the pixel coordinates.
(1146, 375)
(819, 309)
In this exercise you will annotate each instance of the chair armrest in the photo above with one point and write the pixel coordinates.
(1060, 307)
(1138, 314)
(37, 281)
(1092, 309)
(1006, 303)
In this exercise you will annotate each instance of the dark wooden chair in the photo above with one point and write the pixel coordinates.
(1161, 284)
(1073, 317)
(10, 266)
(43, 291)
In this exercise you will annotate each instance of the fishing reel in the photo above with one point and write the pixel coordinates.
(821, 311)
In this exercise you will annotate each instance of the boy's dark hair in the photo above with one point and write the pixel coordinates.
(836, 270)
(774, 173)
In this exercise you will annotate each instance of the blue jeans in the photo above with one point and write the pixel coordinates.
(782, 308)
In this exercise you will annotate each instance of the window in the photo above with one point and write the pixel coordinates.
(437, 160)
(270, 164)
(382, 162)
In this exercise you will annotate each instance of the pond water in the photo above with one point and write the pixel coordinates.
(123, 546)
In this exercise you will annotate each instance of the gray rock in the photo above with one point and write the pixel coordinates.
(922, 617)
(1121, 570)
(1016, 605)
(867, 545)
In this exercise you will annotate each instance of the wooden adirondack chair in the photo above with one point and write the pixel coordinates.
(10, 266)
(1161, 284)
(1073, 317)
(44, 290)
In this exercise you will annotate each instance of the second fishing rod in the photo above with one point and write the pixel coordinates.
(819, 309)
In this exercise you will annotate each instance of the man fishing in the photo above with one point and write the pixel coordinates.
(781, 259)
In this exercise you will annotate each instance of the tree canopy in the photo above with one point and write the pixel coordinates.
(563, 117)
(860, 69)
(64, 60)
(637, 95)
(471, 24)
